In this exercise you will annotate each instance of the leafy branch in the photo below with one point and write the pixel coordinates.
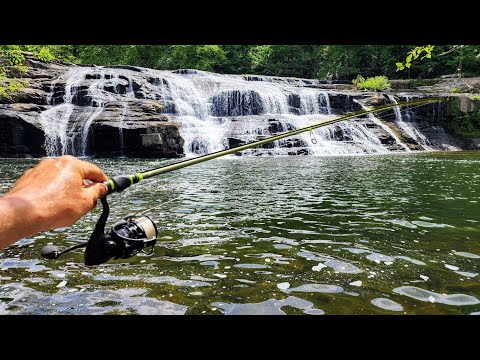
(414, 55)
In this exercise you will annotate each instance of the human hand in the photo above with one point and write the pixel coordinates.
(52, 194)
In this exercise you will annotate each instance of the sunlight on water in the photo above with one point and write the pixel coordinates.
(389, 234)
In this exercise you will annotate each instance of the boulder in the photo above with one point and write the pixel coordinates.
(153, 139)
(19, 138)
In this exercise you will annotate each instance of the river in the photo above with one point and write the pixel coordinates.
(376, 234)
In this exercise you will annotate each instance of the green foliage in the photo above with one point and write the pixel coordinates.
(11, 66)
(467, 125)
(45, 55)
(456, 90)
(377, 83)
(259, 57)
(414, 55)
(201, 57)
(475, 98)
(328, 62)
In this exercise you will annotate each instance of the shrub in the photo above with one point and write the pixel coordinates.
(475, 98)
(377, 83)
(456, 90)
(45, 55)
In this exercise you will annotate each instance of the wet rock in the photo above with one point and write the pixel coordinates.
(236, 103)
(340, 135)
(186, 71)
(232, 142)
(294, 101)
(141, 139)
(19, 138)
(32, 96)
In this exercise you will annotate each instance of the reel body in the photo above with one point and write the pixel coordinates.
(126, 238)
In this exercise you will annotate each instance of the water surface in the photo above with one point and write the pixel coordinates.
(390, 234)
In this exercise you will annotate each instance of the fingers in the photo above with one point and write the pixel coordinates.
(92, 172)
(94, 192)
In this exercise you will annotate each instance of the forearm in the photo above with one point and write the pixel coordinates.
(19, 219)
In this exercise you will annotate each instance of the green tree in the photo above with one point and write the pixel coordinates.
(201, 57)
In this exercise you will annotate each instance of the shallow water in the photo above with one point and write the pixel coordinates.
(389, 234)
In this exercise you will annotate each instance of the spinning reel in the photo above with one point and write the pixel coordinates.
(126, 238)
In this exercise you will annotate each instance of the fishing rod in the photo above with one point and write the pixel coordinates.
(133, 233)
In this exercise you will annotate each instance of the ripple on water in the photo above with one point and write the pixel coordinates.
(357, 251)
(268, 307)
(343, 267)
(29, 265)
(380, 257)
(431, 225)
(177, 282)
(214, 264)
(430, 296)
(387, 304)
(403, 223)
(312, 256)
(467, 255)
(409, 259)
(282, 246)
(315, 288)
(155, 279)
(251, 266)
(86, 302)
(466, 274)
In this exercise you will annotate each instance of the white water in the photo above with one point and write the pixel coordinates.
(409, 127)
(377, 121)
(211, 108)
(65, 131)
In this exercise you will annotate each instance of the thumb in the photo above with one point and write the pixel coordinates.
(96, 191)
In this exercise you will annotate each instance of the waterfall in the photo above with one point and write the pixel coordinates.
(66, 125)
(389, 131)
(314, 102)
(55, 121)
(213, 112)
(409, 126)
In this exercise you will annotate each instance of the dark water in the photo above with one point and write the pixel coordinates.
(388, 234)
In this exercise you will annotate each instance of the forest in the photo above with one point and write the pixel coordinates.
(326, 62)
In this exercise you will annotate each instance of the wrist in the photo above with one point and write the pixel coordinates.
(19, 219)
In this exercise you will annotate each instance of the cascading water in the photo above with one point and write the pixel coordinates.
(389, 131)
(409, 126)
(66, 125)
(214, 112)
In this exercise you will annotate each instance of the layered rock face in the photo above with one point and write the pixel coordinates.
(68, 109)
(131, 111)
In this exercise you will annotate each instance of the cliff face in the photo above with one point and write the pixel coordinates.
(131, 111)
(52, 117)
